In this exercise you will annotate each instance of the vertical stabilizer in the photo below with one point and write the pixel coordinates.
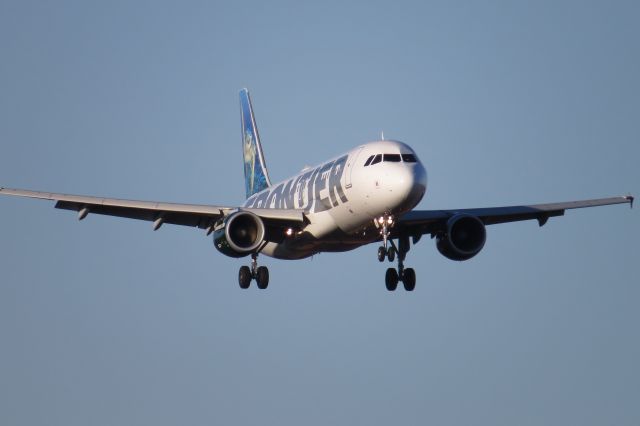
(256, 177)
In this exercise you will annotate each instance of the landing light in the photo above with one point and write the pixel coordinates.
(289, 232)
(390, 220)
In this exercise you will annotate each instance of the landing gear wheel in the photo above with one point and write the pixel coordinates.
(409, 279)
(262, 277)
(391, 279)
(244, 277)
(382, 253)
(391, 254)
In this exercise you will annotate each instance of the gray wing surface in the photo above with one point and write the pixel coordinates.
(419, 222)
(196, 215)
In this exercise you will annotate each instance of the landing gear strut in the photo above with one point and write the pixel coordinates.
(406, 275)
(393, 276)
(385, 223)
(259, 273)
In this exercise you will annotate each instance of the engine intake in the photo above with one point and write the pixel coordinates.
(463, 238)
(241, 233)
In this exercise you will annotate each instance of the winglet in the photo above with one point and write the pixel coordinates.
(630, 198)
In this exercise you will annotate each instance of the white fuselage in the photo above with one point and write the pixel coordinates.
(342, 197)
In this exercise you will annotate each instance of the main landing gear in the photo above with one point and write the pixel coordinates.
(259, 273)
(389, 250)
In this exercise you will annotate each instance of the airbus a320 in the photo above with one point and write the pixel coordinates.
(364, 196)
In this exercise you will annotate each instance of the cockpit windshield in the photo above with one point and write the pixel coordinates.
(390, 158)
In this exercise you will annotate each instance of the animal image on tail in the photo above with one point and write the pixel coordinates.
(255, 171)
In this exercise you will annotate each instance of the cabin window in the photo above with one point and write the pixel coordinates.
(409, 158)
(392, 158)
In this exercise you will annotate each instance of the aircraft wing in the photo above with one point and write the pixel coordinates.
(420, 222)
(197, 215)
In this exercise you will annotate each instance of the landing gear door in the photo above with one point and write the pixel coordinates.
(351, 162)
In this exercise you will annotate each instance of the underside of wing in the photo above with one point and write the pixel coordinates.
(196, 215)
(419, 222)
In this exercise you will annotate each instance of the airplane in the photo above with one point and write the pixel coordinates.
(366, 195)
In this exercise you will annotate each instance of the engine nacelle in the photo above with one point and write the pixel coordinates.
(464, 237)
(241, 234)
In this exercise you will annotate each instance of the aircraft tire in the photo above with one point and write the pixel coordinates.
(391, 279)
(262, 277)
(382, 253)
(244, 277)
(409, 279)
(391, 254)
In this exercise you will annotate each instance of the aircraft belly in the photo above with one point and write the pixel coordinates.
(306, 245)
(323, 234)
(321, 224)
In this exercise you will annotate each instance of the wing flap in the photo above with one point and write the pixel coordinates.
(174, 217)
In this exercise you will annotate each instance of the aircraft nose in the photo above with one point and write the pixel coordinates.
(420, 179)
(408, 185)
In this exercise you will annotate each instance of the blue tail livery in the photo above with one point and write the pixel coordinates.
(256, 177)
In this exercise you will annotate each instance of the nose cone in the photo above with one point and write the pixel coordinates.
(407, 184)
(418, 185)
(420, 180)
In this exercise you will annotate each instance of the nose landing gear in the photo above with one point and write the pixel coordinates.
(259, 273)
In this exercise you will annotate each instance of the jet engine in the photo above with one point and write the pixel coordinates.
(463, 238)
(241, 233)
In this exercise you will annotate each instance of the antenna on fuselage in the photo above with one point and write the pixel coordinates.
(382, 135)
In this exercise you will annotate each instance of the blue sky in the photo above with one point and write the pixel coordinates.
(106, 322)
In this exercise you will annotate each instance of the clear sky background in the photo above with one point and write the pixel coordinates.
(105, 322)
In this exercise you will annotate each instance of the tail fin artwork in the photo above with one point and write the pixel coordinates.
(256, 177)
